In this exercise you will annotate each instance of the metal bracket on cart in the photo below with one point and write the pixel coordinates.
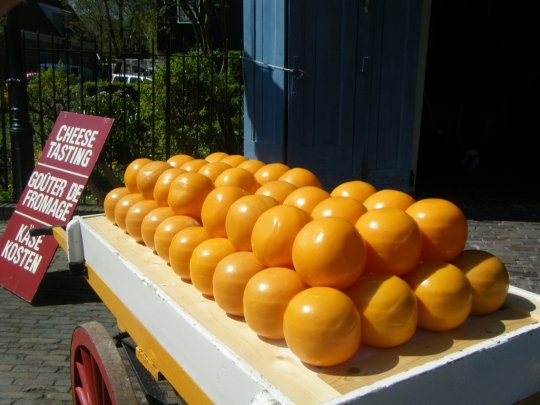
(152, 391)
(44, 231)
(75, 250)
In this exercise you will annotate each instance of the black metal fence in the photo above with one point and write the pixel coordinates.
(163, 104)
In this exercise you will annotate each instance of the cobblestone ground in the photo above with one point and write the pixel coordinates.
(35, 338)
(517, 244)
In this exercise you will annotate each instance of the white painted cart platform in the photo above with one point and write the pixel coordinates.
(210, 357)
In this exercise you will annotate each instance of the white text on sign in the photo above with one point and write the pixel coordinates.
(72, 145)
(22, 251)
(45, 193)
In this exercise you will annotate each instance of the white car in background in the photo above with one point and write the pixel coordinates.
(129, 78)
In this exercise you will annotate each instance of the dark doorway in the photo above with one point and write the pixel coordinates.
(481, 101)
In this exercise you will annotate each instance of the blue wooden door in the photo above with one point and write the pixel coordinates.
(386, 135)
(321, 112)
(351, 114)
(264, 97)
(331, 87)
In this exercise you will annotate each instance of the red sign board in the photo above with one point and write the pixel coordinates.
(49, 199)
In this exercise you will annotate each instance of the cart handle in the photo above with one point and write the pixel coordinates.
(58, 231)
(76, 262)
(45, 231)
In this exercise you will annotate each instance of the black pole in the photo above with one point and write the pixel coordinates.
(168, 97)
(3, 123)
(53, 66)
(184, 143)
(153, 102)
(41, 123)
(124, 103)
(99, 68)
(21, 131)
(68, 71)
(81, 74)
(211, 115)
(197, 100)
(139, 75)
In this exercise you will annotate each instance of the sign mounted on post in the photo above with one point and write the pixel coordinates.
(49, 199)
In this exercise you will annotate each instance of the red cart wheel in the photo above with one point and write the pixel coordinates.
(98, 375)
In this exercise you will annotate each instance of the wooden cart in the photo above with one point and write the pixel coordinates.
(210, 357)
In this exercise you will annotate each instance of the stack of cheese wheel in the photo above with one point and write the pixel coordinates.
(326, 271)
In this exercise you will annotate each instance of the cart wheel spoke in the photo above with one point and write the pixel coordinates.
(98, 376)
(97, 383)
(90, 379)
(81, 396)
(84, 386)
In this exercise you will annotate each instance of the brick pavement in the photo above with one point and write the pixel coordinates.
(35, 338)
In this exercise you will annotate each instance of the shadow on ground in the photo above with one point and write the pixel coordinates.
(61, 288)
(493, 193)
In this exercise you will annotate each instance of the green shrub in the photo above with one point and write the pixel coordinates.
(206, 105)
(206, 110)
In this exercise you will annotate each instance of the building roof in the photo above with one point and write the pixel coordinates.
(45, 17)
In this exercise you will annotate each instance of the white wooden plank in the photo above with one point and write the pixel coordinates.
(224, 377)
(240, 369)
(501, 371)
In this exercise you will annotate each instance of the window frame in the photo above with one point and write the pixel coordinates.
(181, 17)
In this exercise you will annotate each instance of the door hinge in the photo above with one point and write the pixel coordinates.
(365, 64)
